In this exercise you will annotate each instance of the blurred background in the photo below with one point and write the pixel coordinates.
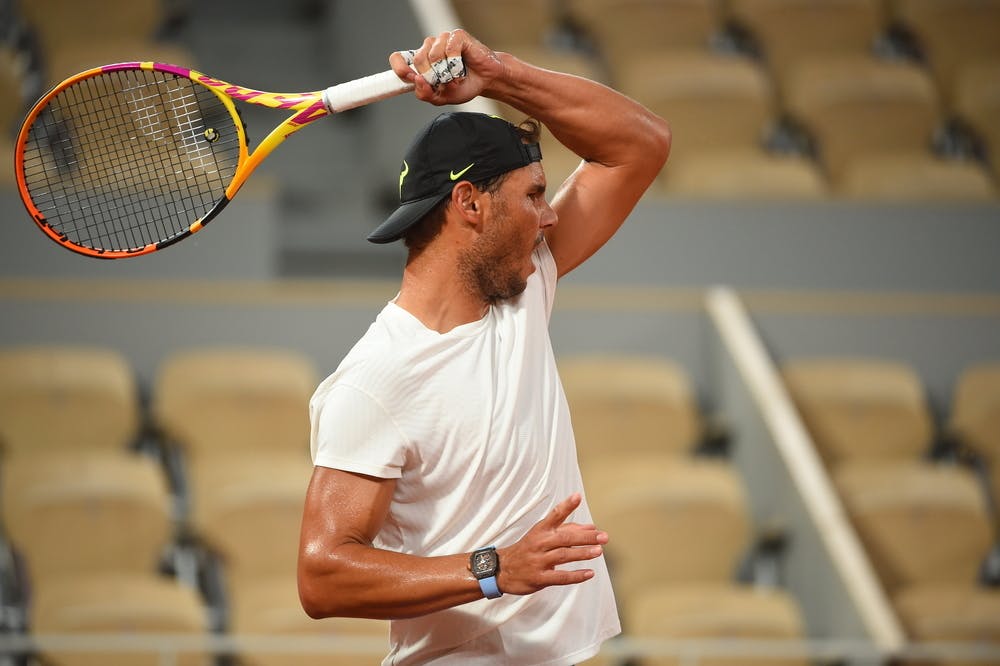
(784, 370)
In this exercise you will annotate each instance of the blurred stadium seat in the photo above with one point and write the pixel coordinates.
(12, 102)
(66, 398)
(745, 174)
(714, 102)
(863, 106)
(952, 34)
(861, 409)
(789, 32)
(86, 513)
(249, 512)
(915, 177)
(975, 409)
(271, 607)
(240, 401)
(624, 404)
(509, 24)
(951, 613)
(974, 420)
(73, 58)
(920, 522)
(124, 605)
(976, 101)
(674, 519)
(720, 611)
(626, 32)
(70, 40)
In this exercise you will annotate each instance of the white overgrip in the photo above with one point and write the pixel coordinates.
(352, 94)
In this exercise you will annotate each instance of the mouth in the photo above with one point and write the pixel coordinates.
(539, 239)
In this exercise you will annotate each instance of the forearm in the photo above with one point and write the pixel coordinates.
(595, 122)
(356, 580)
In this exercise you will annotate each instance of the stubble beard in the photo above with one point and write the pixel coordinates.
(490, 268)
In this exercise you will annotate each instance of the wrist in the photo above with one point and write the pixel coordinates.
(485, 566)
(504, 84)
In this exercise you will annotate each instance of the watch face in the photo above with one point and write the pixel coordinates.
(484, 563)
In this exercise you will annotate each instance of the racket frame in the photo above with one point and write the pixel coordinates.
(305, 107)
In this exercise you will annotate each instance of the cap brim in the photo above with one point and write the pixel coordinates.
(403, 218)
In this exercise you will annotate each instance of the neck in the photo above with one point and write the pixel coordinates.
(432, 292)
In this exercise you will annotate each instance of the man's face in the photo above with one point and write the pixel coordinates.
(498, 264)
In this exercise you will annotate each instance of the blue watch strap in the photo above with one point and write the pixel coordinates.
(489, 587)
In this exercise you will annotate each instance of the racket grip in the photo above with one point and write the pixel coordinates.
(352, 94)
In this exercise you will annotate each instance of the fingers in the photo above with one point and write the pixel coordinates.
(401, 67)
(438, 61)
(562, 511)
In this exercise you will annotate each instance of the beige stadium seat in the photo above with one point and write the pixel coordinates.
(78, 514)
(919, 522)
(952, 33)
(975, 414)
(60, 24)
(271, 607)
(66, 398)
(508, 24)
(236, 400)
(249, 511)
(744, 174)
(916, 177)
(627, 31)
(121, 604)
(941, 612)
(976, 100)
(714, 611)
(951, 614)
(12, 103)
(629, 403)
(74, 58)
(860, 409)
(792, 31)
(713, 102)
(863, 106)
(672, 520)
(8, 180)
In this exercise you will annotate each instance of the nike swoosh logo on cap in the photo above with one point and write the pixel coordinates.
(456, 176)
(402, 175)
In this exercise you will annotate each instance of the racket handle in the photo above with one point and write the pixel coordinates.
(352, 94)
(368, 89)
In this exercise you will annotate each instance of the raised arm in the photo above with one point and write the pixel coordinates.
(341, 573)
(622, 144)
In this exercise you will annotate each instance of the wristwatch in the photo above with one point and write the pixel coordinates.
(485, 565)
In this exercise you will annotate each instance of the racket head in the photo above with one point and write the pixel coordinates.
(125, 159)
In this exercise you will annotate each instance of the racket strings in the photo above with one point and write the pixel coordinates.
(130, 158)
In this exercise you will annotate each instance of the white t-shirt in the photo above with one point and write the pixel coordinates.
(474, 425)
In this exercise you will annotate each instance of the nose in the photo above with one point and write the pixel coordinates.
(548, 218)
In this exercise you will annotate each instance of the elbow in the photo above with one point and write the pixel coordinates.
(311, 599)
(315, 585)
(660, 140)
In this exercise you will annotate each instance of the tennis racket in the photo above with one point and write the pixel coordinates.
(126, 159)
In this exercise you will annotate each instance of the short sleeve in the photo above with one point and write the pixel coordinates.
(352, 431)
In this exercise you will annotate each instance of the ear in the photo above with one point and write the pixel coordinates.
(465, 199)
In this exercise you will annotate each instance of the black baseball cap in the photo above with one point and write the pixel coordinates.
(455, 146)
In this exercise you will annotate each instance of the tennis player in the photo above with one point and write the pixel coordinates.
(446, 494)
